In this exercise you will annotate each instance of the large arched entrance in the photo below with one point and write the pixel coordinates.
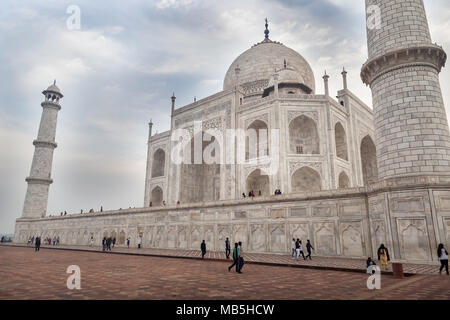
(201, 181)
(304, 136)
(306, 180)
(258, 181)
(369, 161)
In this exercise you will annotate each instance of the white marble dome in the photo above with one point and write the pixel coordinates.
(259, 63)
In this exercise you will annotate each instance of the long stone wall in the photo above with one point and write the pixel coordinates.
(350, 223)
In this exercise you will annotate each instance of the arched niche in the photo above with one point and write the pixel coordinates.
(258, 181)
(256, 141)
(369, 161)
(158, 164)
(306, 179)
(341, 141)
(304, 136)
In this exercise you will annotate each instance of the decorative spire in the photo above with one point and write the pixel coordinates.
(54, 82)
(285, 64)
(266, 32)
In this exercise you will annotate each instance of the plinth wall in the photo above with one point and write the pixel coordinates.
(410, 221)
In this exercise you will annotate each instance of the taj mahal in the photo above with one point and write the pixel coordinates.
(351, 176)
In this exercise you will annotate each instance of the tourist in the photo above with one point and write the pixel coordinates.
(383, 256)
(235, 257)
(128, 243)
(203, 248)
(38, 244)
(104, 244)
(241, 257)
(259, 193)
(108, 243)
(308, 249)
(443, 257)
(139, 241)
(293, 247)
(151, 204)
(253, 194)
(54, 240)
(243, 195)
(91, 242)
(29, 241)
(370, 263)
(57, 240)
(114, 241)
(227, 248)
(101, 208)
(164, 203)
(65, 213)
(249, 194)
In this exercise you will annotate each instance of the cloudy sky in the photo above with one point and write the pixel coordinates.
(120, 69)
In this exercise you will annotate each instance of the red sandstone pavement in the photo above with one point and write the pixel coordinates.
(326, 263)
(26, 274)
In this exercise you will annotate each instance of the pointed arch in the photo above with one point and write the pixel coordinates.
(258, 181)
(304, 136)
(344, 181)
(158, 164)
(341, 141)
(157, 196)
(369, 161)
(256, 141)
(306, 179)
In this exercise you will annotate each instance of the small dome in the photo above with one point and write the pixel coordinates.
(259, 63)
(286, 76)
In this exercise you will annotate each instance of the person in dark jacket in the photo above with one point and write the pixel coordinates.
(114, 242)
(37, 244)
(443, 257)
(108, 243)
(308, 249)
(104, 244)
(227, 248)
(203, 248)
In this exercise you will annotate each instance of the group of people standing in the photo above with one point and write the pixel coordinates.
(297, 249)
(238, 259)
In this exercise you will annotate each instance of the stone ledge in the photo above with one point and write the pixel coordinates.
(429, 55)
(31, 180)
(45, 144)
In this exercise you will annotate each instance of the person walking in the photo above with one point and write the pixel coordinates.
(302, 251)
(241, 257)
(443, 257)
(227, 248)
(293, 247)
(114, 241)
(308, 249)
(108, 243)
(37, 244)
(128, 243)
(203, 248)
(139, 241)
(383, 256)
(235, 258)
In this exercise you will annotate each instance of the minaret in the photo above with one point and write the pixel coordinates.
(36, 199)
(325, 84)
(344, 78)
(412, 134)
(173, 102)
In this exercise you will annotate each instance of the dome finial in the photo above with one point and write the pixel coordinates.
(266, 32)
